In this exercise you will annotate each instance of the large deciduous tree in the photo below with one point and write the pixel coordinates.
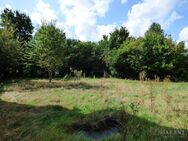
(126, 62)
(180, 71)
(18, 22)
(21, 27)
(9, 53)
(48, 47)
(85, 56)
(158, 52)
(117, 37)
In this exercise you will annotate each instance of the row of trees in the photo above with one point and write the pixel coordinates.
(49, 52)
(154, 54)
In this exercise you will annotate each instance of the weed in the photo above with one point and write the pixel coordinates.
(135, 107)
(152, 96)
(77, 74)
(142, 75)
(166, 95)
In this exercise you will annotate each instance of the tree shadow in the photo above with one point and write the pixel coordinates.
(26, 122)
(2, 89)
(22, 122)
(83, 86)
(33, 85)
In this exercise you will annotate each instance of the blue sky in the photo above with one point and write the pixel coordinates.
(90, 19)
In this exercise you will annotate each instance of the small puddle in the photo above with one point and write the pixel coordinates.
(96, 135)
(100, 129)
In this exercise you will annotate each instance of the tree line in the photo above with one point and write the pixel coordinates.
(48, 52)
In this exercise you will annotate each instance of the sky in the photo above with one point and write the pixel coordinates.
(89, 20)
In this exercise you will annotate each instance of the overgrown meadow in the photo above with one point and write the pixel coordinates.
(39, 111)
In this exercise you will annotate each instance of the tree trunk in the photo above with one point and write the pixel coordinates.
(50, 75)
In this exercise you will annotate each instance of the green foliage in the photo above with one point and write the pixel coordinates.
(18, 22)
(9, 53)
(127, 61)
(118, 37)
(85, 56)
(48, 47)
(155, 28)
(159, 53)
(155, 55)
(180, 71)
(109, 46)
(117, 54)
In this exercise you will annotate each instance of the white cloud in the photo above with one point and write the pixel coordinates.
(183, 36)
(8, 6)
(25, 11)
(43, 12)
(173, 17)
(65, 28)
(142, 14)
(123, 1)
(82, 15)
(12, 8)
(105, 30)
(5, 6)
(80, 18)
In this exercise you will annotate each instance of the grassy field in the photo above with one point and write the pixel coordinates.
(34, 110)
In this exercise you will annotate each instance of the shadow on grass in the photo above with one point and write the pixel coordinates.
(2, 84)
(50, 123)
(32, 85)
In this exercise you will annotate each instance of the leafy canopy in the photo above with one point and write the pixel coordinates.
(19, 23)
(9, 52)
(48, 47)
(118, 37)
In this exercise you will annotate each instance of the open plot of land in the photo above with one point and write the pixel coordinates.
(35, 110)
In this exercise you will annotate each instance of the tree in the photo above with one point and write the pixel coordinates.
(158, 52)
(105, 51)
(19, 23)
(85, 56)
(126, 62)
(117, 37)
(48, 48)
(180, 71)
(9, 53)
(155, 28)
(21, 27)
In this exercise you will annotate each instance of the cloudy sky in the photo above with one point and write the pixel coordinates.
(90, 19)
